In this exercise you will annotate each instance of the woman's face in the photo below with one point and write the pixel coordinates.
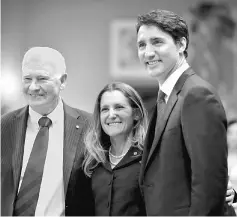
(232, 136)
(116, 114)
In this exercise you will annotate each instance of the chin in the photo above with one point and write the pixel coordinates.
(114, 134)
(153, 74)
(37, 103)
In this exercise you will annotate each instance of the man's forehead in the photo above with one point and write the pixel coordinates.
(39, 66)
(152, 32)
(35, 72)
(36, 65)
(40, 70)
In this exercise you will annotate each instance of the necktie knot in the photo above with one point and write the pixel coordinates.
(161, 96)
(44, 122)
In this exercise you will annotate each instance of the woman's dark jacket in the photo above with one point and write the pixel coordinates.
(116, 191)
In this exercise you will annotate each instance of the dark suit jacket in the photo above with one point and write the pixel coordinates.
(184, 166)
(116, 191)
(77, 188)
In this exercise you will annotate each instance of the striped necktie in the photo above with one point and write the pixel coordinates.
(27, 198)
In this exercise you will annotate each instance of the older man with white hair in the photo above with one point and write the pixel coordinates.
(42, 145)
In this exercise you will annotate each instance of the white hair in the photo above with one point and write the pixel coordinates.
(42, 56)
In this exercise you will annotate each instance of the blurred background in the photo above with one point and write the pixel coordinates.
(98, 40)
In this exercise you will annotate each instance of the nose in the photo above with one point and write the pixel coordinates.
(34, 86)
(149, 52)
(112, 113)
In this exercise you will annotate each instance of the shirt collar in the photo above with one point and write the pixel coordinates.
(34, 116)
(54, 115)
(170, 82)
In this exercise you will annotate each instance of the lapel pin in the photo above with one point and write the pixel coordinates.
(135, 153)
(77, 126)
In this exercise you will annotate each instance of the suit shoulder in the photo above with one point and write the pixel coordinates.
(201, 97)
(10, 115)
(197, 81)
(84, 114)
(198, 86)
(197, 91)
(81, 113)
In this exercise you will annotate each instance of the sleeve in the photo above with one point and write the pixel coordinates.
(204, 128)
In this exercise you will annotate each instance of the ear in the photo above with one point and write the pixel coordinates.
(182, 44)
(63, 80)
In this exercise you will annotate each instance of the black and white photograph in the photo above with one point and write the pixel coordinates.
(118, 108)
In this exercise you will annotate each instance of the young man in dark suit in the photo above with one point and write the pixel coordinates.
(184, 166)
(34, 181)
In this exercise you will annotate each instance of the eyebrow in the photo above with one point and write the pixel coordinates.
(156, 38)
(152, 39)
(37, 76)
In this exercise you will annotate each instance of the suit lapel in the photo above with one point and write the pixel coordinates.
(72, 130)
(134, 154)
(169, 107)
(149, 139)
(18, 132)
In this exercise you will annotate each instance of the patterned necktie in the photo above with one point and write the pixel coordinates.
(27, 198)
(160, 106)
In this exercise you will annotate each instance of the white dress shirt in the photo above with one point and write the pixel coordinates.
(170, 82)
(51, 200)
